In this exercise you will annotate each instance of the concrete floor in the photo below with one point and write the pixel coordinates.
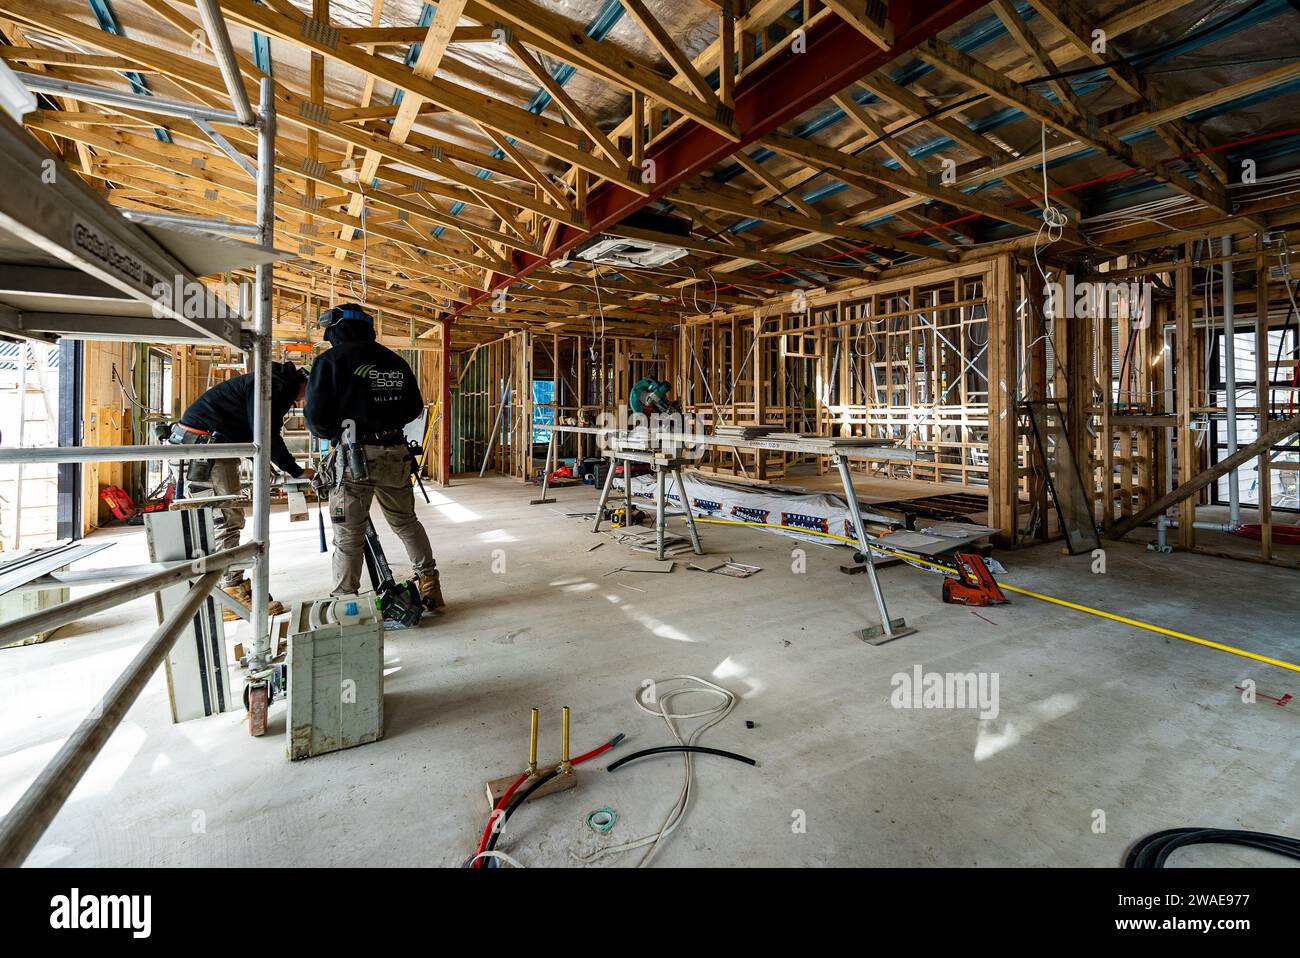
(1094, 716)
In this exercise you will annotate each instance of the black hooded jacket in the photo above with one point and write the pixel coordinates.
(358, 379)
(227, 409)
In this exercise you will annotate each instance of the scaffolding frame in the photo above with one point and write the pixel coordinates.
(51, 222)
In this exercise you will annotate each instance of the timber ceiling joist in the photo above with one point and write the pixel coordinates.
(445, 161)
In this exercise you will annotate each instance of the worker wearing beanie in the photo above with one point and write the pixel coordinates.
(363, 393)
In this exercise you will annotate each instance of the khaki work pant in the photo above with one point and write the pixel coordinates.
(390, 483)
(224, 481)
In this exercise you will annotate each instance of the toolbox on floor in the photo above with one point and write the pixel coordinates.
(336, 675)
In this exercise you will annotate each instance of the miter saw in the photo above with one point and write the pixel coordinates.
(650, 396)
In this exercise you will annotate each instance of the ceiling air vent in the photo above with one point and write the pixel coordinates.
(627, 253)
(640, 252)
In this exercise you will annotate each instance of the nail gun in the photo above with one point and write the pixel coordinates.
(974, 584)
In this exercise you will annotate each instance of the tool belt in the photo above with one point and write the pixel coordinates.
(389, 437)
(183, 435)
(198, 470)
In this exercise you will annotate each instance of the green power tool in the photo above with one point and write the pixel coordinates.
(400, 604)
(650, 395)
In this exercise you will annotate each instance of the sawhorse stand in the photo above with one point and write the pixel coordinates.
(663, 467)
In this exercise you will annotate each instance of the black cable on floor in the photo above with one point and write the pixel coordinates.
(513, 806)
(1154, 850)
(702, 749)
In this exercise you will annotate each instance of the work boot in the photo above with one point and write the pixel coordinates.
(431, 591)
(242, 592)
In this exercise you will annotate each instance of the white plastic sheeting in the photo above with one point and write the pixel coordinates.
(815, 511)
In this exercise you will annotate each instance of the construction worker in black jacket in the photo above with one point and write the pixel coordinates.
(362, 393)
(225, 414)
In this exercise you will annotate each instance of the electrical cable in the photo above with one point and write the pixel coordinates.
(667, 749)
(365, 288)
(1174, 205)
(1054, 223)
(499, 856)
(1284, 263)
(131, 396)
(1282, 534)
(695, 296)
(663, 694)
(514, 806)
(1130, 60)
(595, 277)
(598, 750)
(1214, 62)
(495, 814)
(496, 829)
(1149, 54)
(735, 376)
(1123, 368)
(1153, 851)
(1207, 290)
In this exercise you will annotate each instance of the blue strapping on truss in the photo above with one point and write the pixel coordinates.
(1084, 84)
(609, 14)
(971, 39)
(109, 23)
(262, 53)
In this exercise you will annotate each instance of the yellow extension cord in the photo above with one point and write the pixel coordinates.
(1136, 623)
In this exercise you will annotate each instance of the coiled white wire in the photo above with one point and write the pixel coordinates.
(714, 714)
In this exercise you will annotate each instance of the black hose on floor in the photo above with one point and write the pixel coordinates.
(1154, 850)
(701, 749)
(511, 808)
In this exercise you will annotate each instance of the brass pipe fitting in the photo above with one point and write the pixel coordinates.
(532, 746)
(565, 767)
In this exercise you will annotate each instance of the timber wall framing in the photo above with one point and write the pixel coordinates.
(1138, 392)
(906, 359)
(492, 393)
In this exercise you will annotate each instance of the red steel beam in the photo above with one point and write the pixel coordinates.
(769, 96)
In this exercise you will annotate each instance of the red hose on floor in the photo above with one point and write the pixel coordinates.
(523, 776)
(501, 803)
(586, 756)
(1282, 534)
